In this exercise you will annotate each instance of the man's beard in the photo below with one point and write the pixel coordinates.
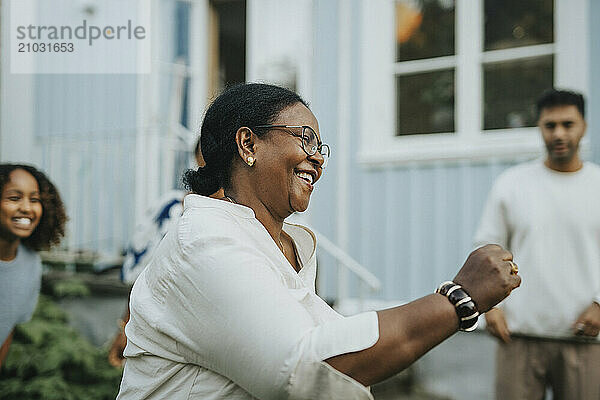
(563, 157)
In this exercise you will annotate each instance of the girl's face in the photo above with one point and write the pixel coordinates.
(20, 206)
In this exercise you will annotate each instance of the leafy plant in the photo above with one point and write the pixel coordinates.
(70, 288)
(50, 360)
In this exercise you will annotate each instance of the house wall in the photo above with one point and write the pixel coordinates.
(411, 225)
(324, 105)
(15, 102)
(594, 98)
(279, 43)
(85, 132)
(80, 130)
(85, 135)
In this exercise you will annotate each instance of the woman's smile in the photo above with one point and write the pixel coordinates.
(306, 177)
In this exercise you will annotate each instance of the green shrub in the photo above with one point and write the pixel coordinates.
(70, 288)
(49, 360)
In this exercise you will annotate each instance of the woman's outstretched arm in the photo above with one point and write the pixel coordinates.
(409, 331)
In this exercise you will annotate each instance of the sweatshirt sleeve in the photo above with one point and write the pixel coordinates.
(493, 226)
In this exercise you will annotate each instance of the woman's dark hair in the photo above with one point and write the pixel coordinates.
(247, 104)
(51, 228)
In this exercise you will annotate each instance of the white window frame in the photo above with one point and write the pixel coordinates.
(378, 143)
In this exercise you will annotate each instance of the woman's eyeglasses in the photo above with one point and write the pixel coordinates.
(310, 140)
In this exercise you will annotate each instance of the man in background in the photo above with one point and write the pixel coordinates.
(547, 213)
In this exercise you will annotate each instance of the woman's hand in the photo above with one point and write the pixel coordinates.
(486, 276)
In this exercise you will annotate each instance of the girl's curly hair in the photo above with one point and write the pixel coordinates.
(51, 228)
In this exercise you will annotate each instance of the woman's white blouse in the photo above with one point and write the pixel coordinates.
(219, 313)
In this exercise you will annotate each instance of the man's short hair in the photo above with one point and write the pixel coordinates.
(554, 98)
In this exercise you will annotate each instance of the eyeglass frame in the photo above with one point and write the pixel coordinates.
(319, 146)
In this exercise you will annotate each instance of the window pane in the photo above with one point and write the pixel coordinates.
(425, 103)
(424, 29)
(515, 23)
(511, 89)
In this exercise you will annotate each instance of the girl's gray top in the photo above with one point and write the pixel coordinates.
(20, 281)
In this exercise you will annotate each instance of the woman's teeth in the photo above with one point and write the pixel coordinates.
(306, 176)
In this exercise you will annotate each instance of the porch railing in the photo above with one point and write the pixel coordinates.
(369, 284)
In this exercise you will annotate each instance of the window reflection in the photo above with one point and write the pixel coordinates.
(510, 91)
(515, 23)
(425, 102)
(424, 29)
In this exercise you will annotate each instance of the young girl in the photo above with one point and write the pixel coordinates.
(32, 218)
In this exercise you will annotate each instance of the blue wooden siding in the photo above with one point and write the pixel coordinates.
(85, 129)
(411, 226)
(324, 104)
(594, 98)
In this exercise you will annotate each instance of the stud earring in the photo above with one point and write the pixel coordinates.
(250, 161)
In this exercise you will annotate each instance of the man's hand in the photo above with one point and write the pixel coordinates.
(496, 324)
(588, 323)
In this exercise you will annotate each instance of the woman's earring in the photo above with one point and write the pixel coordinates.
(250, 161)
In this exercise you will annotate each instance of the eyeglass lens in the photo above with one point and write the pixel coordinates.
(311, 142)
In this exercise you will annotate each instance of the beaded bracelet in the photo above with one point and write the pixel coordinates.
(466, 309)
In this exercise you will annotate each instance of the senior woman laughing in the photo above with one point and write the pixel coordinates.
(227, 307)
